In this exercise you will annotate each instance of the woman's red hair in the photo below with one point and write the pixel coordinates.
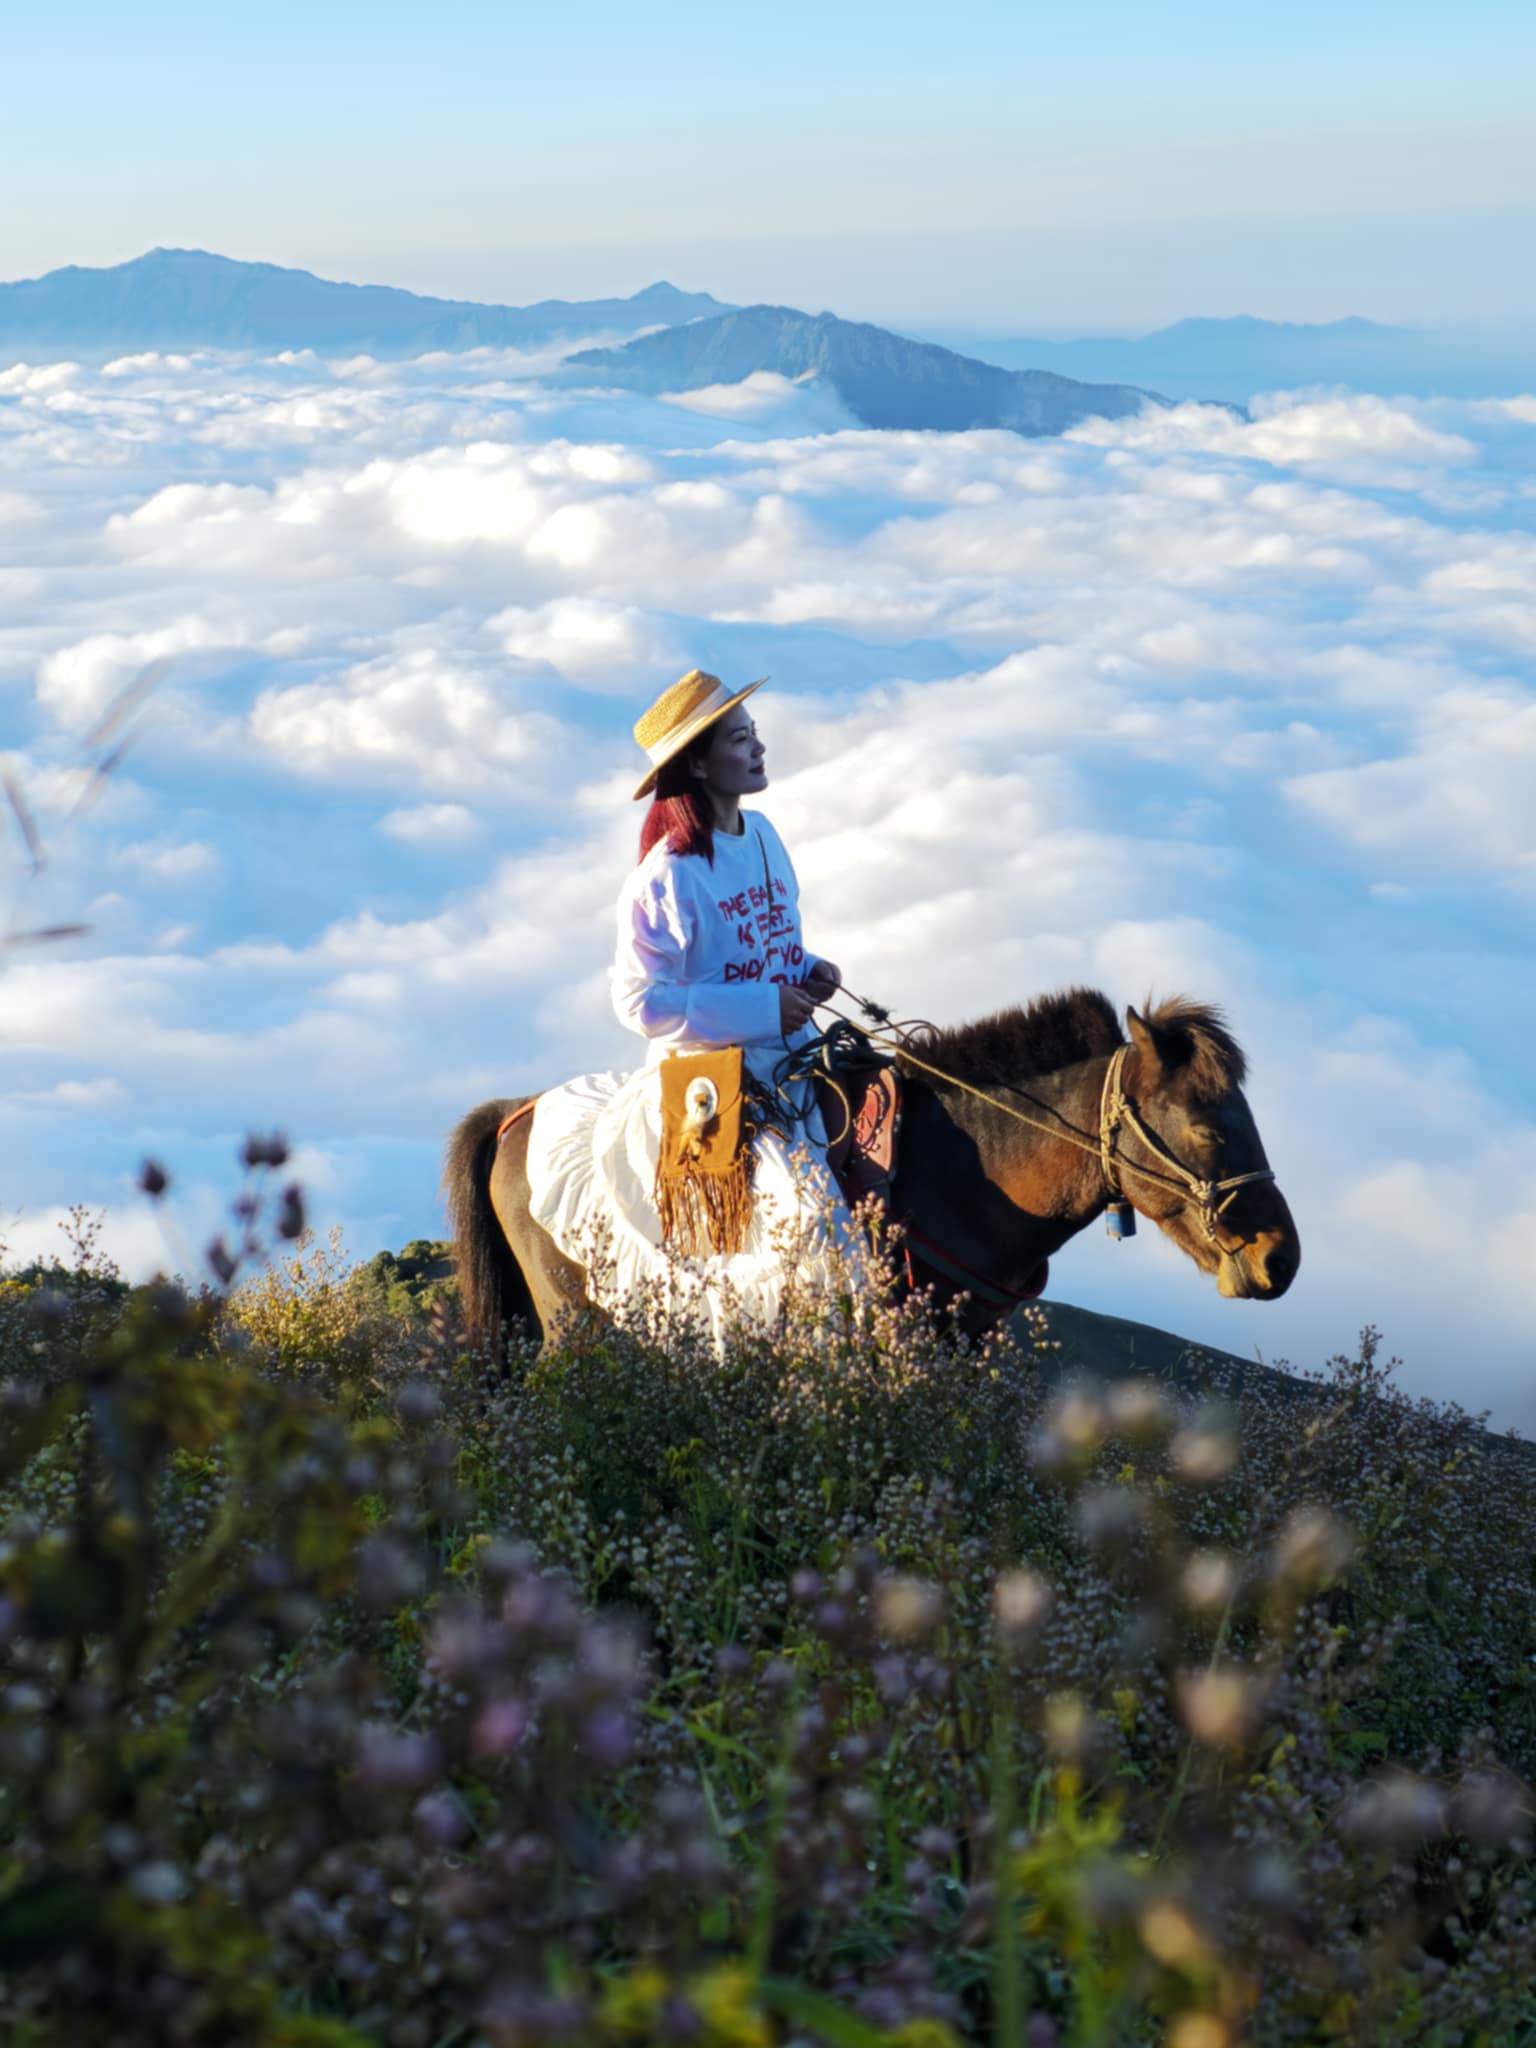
(680, 811)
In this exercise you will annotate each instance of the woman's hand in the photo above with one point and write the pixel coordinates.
(823, 980)
(796, 1005)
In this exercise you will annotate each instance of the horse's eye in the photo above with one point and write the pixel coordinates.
(1204, 1135)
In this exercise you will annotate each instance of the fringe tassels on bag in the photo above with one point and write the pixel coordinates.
(704, 1169)
(704, 1212)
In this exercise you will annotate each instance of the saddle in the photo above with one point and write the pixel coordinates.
(860, 1095)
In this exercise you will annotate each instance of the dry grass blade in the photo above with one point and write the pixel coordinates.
(24, 821)
(44, 934)
(102, 774)
(127, 701)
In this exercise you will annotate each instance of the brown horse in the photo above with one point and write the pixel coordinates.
(1017, 1132)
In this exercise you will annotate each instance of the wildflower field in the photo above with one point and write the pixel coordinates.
(361, 1689)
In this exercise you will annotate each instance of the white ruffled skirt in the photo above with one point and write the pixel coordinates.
(592, 1156)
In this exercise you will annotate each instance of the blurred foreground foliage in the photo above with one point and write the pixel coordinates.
(357, 1687)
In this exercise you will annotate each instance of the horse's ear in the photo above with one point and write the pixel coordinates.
(1147, 1041)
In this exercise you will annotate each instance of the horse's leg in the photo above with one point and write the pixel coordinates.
(556, 1284)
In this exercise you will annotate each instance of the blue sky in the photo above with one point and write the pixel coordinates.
(992, 166)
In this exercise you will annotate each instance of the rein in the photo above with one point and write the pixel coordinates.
(1115, 1109)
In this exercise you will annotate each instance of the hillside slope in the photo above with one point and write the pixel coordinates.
(1110, 1347)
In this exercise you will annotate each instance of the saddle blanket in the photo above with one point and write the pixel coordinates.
(592, 1153)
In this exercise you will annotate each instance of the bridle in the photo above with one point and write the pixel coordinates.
(1116, 1108)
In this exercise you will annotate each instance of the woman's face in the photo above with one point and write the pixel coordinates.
(733, 763)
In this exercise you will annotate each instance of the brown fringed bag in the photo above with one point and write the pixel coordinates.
(704, 1169)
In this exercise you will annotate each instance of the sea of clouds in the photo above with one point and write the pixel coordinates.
(1184, 702)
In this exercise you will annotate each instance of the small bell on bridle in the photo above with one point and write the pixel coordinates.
(1119, 1216)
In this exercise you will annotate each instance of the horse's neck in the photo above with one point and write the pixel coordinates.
(1002, 1191)
(1036, 1142)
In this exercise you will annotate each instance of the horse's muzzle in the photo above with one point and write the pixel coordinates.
(1262, 1269)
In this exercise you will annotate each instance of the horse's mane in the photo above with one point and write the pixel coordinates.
(1081, 1024)
(1037, 1038)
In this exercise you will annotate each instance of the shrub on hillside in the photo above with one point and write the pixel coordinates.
(300, 1308)
(78, 1296)
(408, 1285)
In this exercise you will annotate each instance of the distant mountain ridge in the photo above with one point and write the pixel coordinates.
(189, 298)
(885, 379)
(1233, 359)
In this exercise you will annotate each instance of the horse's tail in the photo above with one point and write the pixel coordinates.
(492, 1287)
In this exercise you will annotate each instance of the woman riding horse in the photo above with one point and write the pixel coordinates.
(1017, 1132)
(709, 955)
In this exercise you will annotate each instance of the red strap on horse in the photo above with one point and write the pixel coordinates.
(991, 1293)
(507, 1122)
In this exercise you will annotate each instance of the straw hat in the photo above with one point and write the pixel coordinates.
(681, 714)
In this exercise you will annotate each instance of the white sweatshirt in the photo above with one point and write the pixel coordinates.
(702, 949)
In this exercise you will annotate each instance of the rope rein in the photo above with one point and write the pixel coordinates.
(1115, 1110)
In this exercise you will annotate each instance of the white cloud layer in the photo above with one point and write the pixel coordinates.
(793, 404)
(592, 644)
(430, 824)
(1244, 707)
(1361, 436)
(411, 718)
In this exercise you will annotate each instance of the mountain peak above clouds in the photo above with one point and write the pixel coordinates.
(193, 298)
(884, 379)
